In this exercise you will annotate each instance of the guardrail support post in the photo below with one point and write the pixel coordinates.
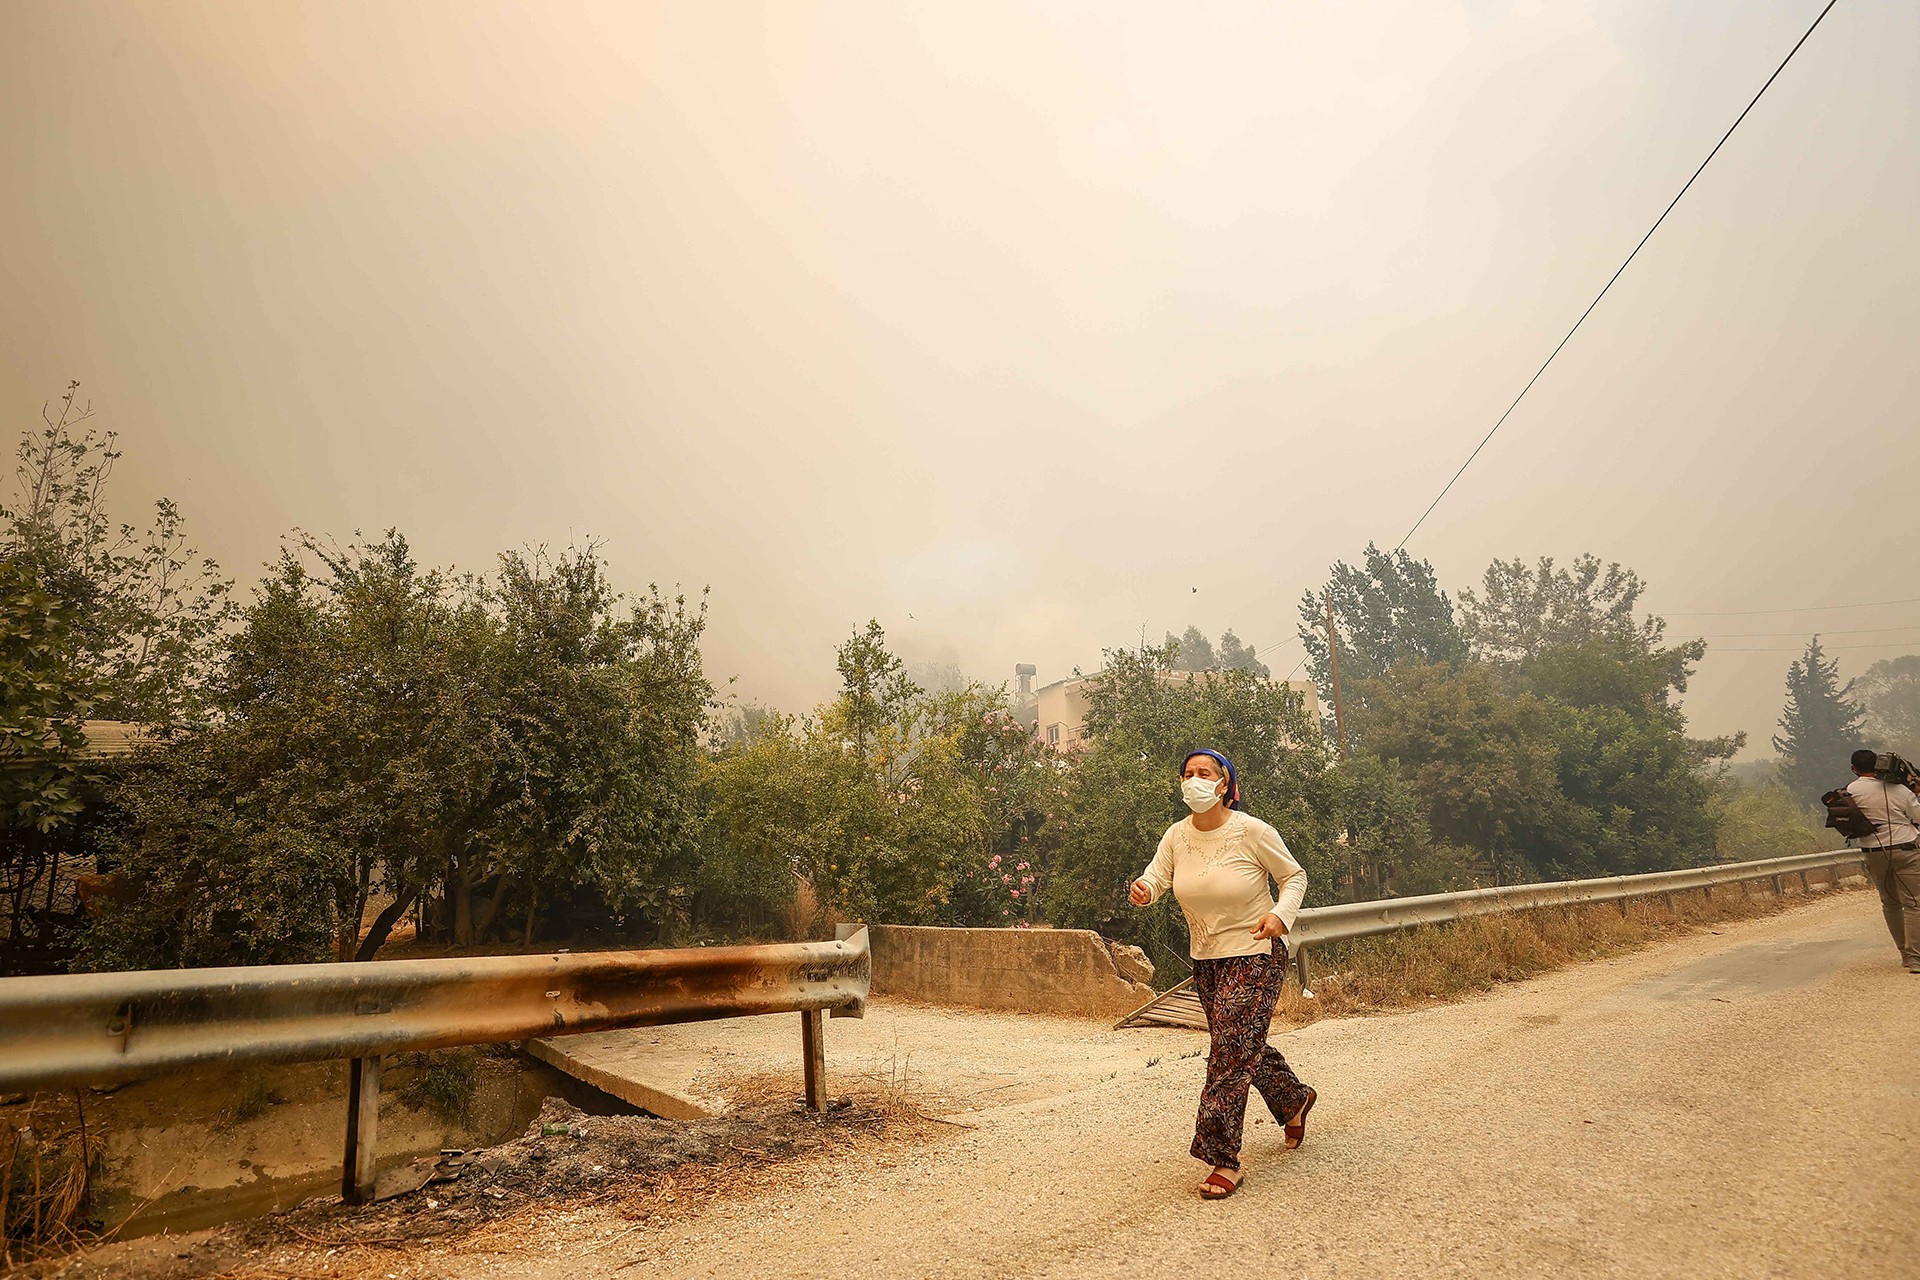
(1301, 968)
(813, 1054)
(363, 1122)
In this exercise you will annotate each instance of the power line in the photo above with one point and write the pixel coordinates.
(1832, 648)
(1806, 608)
(1616, 275)
(1769, 635)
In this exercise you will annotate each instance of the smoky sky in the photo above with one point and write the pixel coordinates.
(1025, 329)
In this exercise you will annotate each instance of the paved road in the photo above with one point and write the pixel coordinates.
(1740, 1103)
(1744, 1103)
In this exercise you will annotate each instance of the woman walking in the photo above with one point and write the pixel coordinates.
(1217, 862)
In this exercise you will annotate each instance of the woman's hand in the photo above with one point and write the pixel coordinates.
(1139, 894)
(1270, 926)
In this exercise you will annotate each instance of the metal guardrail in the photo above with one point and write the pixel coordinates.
(104, 1028)
(1320, 926)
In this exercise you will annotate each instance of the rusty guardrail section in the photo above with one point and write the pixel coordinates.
(104, 1028)
(1318, 926)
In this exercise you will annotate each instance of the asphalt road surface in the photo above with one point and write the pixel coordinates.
(1742, 1103)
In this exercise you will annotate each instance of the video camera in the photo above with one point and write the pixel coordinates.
(1889, 767)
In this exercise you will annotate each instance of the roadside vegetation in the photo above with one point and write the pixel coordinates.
(525, 756)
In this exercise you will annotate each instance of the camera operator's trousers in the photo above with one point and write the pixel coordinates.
(1896, 874)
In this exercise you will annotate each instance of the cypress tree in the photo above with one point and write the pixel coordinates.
(1821, 724)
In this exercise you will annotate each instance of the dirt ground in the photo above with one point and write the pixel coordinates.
(1739, 1102)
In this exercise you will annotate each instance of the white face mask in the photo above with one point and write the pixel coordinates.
(1200, 793)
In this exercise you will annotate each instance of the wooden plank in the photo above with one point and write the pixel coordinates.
(1176, 1007)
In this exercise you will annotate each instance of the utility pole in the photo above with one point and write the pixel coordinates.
(1333, 661)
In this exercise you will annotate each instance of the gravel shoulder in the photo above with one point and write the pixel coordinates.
(1739, 1102)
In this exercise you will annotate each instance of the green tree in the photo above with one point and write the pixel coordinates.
(1820, 726)
(1763, 822)
(1891, 690)
(875, 690)
(1236, 656)
(1385, 847)
(1480, 757)
(1194, 652)
(147, 612)
(1525, 611)
(507, 748)
(44, 777)
(1388, 611)
(599, 703)
(346, 753)
(891, 803)
(1636, 794)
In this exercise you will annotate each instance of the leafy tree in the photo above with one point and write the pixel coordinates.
(1389, 611)
(44, 779)
(892, 803)
(1763, 822)
(1235, 656)
(1385, 847)
(502, 747)
(1821, 725)
(875, 690)
(599, 708)
(42, 704)
(1524, 611)
(1636, 795)
(1480, 757)
(349, 747)
(1891, 691)
(1194, 652)
(147, 612)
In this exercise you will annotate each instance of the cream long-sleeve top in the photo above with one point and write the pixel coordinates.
(1220, 879)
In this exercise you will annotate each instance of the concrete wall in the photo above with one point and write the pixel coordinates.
(1073, 972)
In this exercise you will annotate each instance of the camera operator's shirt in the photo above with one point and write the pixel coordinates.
(1220, 879)
(1893, 810)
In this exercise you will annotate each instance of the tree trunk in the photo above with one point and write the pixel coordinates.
(383, 925)
(533, 907)
(490, 910)
(460, 893)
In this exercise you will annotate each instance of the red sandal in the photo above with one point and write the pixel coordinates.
(1296, 1128)
(1218, 1187)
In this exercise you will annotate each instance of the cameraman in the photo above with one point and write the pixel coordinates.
(1893, 852)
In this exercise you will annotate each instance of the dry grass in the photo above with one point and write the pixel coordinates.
(1422, 966)
(46, 1172)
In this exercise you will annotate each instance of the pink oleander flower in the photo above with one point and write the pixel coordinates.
(1016, 893)
(1026, 879)
(1023, 866)
(1006, 879)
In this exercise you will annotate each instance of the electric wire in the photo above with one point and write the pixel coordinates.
(1501, 421)
(1805, 608)
(1616, 275)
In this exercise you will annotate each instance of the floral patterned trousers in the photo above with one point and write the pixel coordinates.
(1238, 994)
